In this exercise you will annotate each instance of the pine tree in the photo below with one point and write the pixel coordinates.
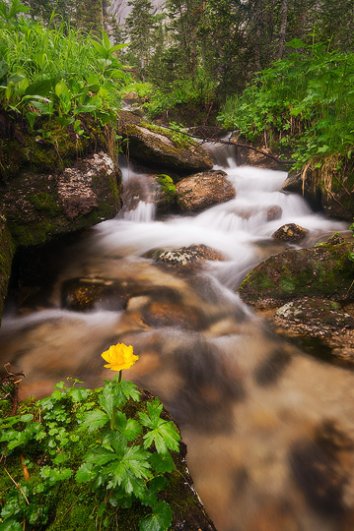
(140, 25)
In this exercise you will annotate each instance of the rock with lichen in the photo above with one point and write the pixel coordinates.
(185, 256)
(291, 232)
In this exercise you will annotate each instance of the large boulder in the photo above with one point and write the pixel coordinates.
(40, 206)
(203, 190)
(161, 147)
(7, 249)
(324, 271)
(316, 286)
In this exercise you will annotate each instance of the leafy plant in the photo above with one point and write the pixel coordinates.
(57, 73)
(303, 103)
(108, 441)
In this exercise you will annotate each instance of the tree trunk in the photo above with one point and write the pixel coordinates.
(283, 27)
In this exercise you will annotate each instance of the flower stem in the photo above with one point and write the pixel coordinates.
(120, 376)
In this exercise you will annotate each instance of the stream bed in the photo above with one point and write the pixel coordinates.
(269, 430)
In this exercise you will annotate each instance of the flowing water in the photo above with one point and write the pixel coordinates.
(269, 430)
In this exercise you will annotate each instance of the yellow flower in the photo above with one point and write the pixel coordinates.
(119, 357)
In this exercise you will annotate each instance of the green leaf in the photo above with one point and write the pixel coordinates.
(165, 437)
(106, 399)
(160, 520)
(133, 465)
(85, 473)
(94, 420)
(11, 525)
(100, 456)
(162, 463)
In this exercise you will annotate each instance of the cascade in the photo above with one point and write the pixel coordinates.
(203, 351)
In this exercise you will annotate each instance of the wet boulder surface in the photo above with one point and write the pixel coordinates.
(308, 294)
(203, 190)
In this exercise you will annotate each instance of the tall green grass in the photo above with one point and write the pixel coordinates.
(56, 72)
(304, 103)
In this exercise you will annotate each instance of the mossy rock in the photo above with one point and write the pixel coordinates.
(7, 249)
(54, 148)
(324, 271)
(160, 147)
(39, 206)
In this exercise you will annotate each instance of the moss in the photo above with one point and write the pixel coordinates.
(45, 202)
(33, 234)
(179, 139)
(321, 271)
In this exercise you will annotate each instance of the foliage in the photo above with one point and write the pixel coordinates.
(199, 91)
(303, 103)
(56, 74)
(108, 442)
(168, 187)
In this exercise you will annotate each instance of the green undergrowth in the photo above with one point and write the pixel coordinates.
(54, 78)
(302, 104)
(86, 459)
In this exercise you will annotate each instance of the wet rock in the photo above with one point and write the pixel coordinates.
(330, 187)
(40, 206)
(274, 212)
(157, 146)
(164, 313)
(202, 190)
(313, 315)
(185, 256)
(7, 249)
(318, 323)
(246, 155)
(290, 233)
(323, 271)
(85, 294)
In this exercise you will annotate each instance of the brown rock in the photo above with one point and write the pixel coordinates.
(202, 190)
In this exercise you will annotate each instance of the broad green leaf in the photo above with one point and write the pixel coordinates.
(165, 436)
(94, 420)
